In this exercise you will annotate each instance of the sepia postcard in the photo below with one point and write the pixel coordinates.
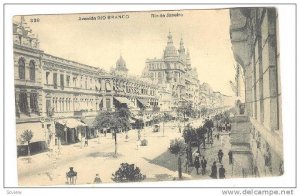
(170, 95)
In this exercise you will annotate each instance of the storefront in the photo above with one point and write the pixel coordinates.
(70, 130)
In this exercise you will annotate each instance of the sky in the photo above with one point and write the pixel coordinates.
(138, 36)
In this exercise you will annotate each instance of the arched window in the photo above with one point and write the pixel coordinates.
(21, 68)
(32, 70)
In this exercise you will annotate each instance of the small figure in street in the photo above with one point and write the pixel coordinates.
(186, 165)
(86, 142)
(197, 164)
(214, 170)
(203, 165)
(97, 179)
(220, 155)
(221, 172)
(218, 136)
(230, 157)
(137, 144)
(139, 134)
(179, 127)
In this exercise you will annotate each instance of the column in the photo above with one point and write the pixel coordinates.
(17, 103)
(273, 77)
(104, 103)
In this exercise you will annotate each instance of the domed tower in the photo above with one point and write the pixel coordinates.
(170, 50)
(121, 66)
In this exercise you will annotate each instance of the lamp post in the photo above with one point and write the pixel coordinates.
(116, 144)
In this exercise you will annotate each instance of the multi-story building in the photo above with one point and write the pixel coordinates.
(59, 95)
(174, 69)
(254, 38)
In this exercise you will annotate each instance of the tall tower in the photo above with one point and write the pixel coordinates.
(181, 51)
(188, 60)
(170, 50)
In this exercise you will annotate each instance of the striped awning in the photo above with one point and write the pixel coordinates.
(71, 123)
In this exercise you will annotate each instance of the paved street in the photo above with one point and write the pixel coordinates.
(154, 160)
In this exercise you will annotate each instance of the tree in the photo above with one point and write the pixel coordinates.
(115, 121)
(177, 147)
(185, 109)
(26, 136)
(128, 173)
(208, 124)
(190, 136)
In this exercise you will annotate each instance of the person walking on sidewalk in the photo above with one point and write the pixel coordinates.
(214, 170)
(221, 172)
(230, 157)
(197, 164)
(203, 165)
(220, 155)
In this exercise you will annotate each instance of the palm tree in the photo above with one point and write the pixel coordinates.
(26, 136)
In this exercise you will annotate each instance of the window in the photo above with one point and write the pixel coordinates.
(68, 81)
(47, 77)
(22, 68)
(62, 82)
(108, 106)
(34, 107)
(23, 103)
(55, 80)
(32, 70)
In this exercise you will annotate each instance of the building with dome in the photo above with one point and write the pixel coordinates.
(174, 69)
(120, 68)
(54, 93)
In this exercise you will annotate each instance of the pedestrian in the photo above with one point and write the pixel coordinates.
(186, 165)
(139, 134)
(203, 165)
(230, 157)
(179, 127)
(214, 170)
(221, 172)
(220, 155)
(197, 164)
(218, 136)
(86, 142)
(97, 179)
(137, 144)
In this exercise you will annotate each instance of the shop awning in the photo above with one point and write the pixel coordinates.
(144, 102)
(132, 120)
(123, 100)
(39, 133)
(90, 122)
(71, 123)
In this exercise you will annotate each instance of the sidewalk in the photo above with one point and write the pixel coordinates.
(211, 155)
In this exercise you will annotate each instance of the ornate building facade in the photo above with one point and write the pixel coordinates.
(254, 41)
(53, 93)
(175, 70)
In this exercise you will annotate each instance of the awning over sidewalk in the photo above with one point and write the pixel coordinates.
(144, 102)
(71, 123)
(36, 128)
(123, 100)
(90, 122)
